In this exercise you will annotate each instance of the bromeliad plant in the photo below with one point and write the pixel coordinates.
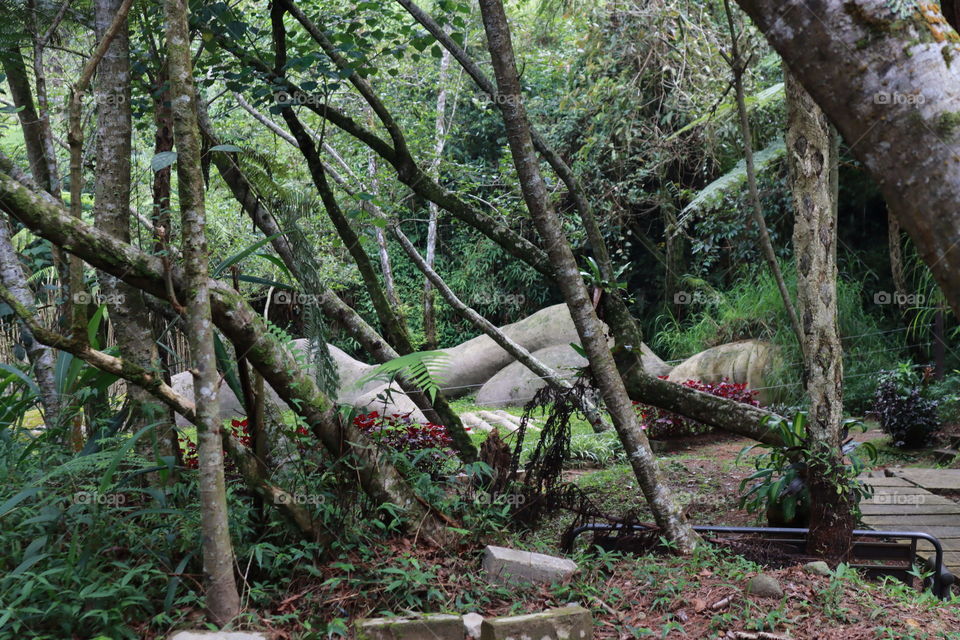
(780, 480)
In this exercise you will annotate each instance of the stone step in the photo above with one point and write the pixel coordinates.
(475, 423)
(507, 423)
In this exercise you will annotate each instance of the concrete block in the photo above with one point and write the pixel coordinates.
(471, 624)
(423, 627)
(506, 566)
(566, 623)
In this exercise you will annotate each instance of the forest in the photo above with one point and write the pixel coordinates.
(491, 319)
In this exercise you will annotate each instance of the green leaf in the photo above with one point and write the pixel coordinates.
(227, 148)
(226, 365)
(163, 160)
(234, 259)
(8, 506)
(414, 367)
(27, 380)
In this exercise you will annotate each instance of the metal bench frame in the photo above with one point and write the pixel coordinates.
(940, 584)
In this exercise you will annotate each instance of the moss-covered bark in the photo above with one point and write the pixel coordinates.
(243, 326)
(887, 84)
(222, 596)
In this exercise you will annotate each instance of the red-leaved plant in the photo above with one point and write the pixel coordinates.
(238, 428)
(660, 424)
(426, 446)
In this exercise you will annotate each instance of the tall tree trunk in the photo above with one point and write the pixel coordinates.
(895, 247)
(889, 84)
(439, 142)
(42, 358)
(40, 40)
(738, 64)
(223, 600)
(128, 313)
(20, 91)
(809, 147)
(592, 335)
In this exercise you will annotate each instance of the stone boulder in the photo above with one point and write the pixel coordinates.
(745, 361)
(371, 396)
(515, 384)
(475, 361)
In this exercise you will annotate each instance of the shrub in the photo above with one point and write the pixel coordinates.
(947, 394)
(664, 424)
(780, 482)
(903, 411)
(425, 446)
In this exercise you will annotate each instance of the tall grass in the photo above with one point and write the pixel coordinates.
(753, 308)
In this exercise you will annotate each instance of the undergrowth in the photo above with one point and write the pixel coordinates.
(753, 308)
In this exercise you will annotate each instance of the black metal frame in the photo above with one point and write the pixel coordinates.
(940, 584)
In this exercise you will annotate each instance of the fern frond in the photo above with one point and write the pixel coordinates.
(415, 368)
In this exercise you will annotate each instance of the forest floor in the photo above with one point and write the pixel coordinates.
(630, 596)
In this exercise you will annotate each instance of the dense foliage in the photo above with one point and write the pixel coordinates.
(661, 424)
(903, 409)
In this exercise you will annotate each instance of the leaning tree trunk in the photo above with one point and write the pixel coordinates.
(592, 335)
(439, 142)
(243, 326)
(438, 410)
(128, 313)
(739, 64)
(41, 357)
(809, 146)
(223, 600)
(890, 86)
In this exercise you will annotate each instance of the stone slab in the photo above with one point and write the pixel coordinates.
(934, 479)
(913, 521)
(565, 623)
(886, 482)
(506, 566)
(890, 508)
(218, 635)
(423, 627)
